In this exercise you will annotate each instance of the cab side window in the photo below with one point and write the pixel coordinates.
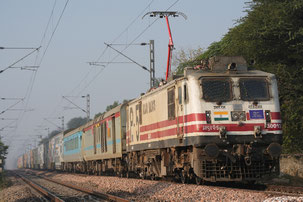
(171, 103)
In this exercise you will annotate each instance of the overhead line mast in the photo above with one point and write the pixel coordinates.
(166, 14)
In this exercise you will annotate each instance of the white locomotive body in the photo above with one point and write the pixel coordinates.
(217, 124)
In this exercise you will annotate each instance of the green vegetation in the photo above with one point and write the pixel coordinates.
(4, 181)
(109, 107)
(270, 37)
(76, 122)
(3, 153)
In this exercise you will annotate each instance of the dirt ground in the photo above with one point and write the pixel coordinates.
(291, 167)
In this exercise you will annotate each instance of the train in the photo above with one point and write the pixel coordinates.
(220, 121)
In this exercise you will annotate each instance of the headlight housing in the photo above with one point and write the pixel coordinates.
(238, 116)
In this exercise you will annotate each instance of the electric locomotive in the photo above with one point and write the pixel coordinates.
(218, 122)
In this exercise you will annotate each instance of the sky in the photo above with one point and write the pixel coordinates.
(71, 34)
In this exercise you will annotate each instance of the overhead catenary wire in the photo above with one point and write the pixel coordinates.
(7, 125)
(126, 29)
(113, 41)
(10, 66)
(101, 55)
(105, 49)
(34, 74)
(138, 36)
(17, 48)
(8, 108)
(46, 48)
(101, 70)
(28, 93)
(143, 67)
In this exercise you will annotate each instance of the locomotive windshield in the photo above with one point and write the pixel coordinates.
(216, 89)
(253, 89)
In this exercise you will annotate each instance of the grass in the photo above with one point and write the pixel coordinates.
(4, 182)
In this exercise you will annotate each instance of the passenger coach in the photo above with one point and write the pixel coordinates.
(220, 121)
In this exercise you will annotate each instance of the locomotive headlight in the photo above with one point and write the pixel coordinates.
(211, 150)
(238, 116)
(235, 116)
(222, 131)
(257, 131)
(242, 116)
(274, 150)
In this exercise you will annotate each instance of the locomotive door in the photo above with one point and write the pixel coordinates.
(138, 119)
(180, 113)
(135, 114)
(94, 131)
(129, 117)
(114, 134)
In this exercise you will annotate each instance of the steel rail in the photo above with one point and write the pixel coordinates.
(88, 191)
(40, 189)
(280, 189)
(276, 190)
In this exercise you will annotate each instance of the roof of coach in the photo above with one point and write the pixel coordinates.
(113, 111)
(231, 66)
(108, 114)
(75, 130)
(155, 90)
(190, 72)
(57, 135)
(223, 66)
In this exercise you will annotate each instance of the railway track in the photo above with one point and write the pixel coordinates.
(42, 191)
(284, 190)
(269, 190)
(275, 190)
(89, 195)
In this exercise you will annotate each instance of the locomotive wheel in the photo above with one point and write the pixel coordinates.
(199, 180)
(183, 178)
(153, 177)
(251, 182)
(143, 176)
(121, 174)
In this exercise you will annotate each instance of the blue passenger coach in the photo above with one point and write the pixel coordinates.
(72, 144)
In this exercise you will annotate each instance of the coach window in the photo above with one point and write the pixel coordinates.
(102, 136)
(171, 103)
(185, 93)
(252, 89)
(216, 89)
(99, 133)
(180, 95)
(105, 136)
(139, 113)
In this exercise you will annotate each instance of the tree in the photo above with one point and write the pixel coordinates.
(271, 35)
(3, 152)
(184, 58)
(44, 140)
(115, 104)
(53, 133)
(76, 122)
(109, 107)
